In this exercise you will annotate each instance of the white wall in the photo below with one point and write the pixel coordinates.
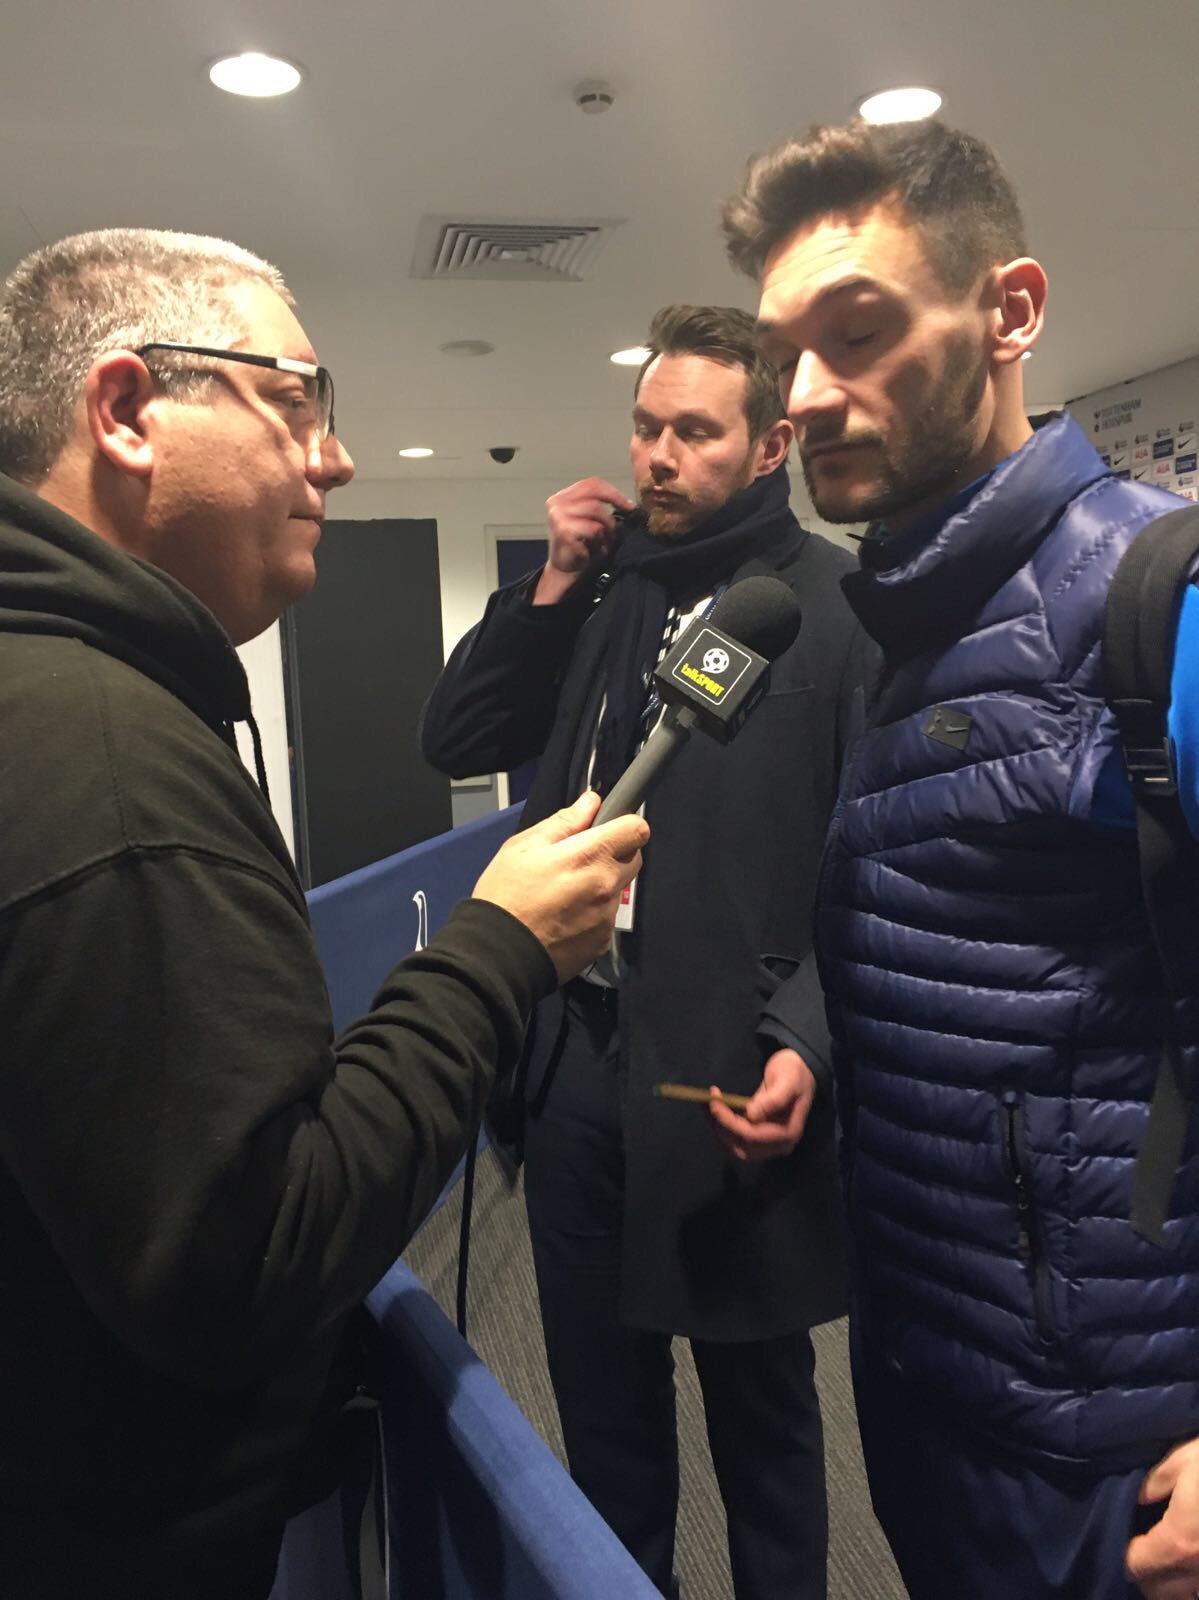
(263, 662)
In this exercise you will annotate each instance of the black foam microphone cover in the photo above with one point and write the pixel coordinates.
(761, 613)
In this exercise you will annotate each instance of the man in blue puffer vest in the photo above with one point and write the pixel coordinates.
(1027, 1366)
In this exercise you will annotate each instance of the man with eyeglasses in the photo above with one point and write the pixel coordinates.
(197, 1183)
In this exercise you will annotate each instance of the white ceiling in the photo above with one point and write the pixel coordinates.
(464, 106)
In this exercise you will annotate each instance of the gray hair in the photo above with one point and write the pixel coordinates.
(72, 302)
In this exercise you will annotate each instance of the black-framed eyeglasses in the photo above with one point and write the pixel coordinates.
(319, 390)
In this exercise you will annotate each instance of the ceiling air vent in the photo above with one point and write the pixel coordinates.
(499, 251)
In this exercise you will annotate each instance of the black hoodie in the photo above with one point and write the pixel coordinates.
(198, 1183)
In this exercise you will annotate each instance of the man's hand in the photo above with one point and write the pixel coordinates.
(581, 529)
(563, 879)
(1164, 1563)
(775, 1117)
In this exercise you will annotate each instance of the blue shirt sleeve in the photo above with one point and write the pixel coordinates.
(1183, 720)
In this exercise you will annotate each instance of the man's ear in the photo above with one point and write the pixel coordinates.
(117, 394)
(773, 447)
(1020, 288)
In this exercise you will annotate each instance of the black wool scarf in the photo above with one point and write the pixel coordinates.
(649, 575)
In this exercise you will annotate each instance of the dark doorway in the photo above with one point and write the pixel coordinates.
(361, 652)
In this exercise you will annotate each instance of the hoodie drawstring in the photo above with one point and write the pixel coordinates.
(259, 763)
(228, 733)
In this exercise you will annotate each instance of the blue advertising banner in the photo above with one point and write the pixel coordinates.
(1146, 427)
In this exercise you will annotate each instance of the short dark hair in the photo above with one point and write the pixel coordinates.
(949, 183)
(729, 336)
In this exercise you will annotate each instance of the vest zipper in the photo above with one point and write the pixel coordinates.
(834, 824)
(1029, 1243)
(844, 1098)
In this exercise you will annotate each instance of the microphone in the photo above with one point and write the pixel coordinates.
(712, 679)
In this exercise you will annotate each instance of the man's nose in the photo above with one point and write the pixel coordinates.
(662, 460)
(329, 464)
(814, 392)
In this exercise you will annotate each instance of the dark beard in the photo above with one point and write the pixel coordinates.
(673, 522)
(921, 465)
(683, 516)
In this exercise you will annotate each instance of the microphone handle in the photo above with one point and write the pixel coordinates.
(648, 765)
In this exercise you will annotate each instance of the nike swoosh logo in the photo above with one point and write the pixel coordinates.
(949, 727)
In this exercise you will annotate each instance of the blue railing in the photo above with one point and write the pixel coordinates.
(480, 1508)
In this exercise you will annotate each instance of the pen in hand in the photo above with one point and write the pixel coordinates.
(684, 1091)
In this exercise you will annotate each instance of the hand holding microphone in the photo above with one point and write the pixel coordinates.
(563, 879)
(712, 680)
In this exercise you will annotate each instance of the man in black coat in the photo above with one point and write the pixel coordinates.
(650, 1217)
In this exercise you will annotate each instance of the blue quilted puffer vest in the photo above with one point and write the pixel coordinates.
(992, 982)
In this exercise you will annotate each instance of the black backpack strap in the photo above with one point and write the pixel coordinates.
(1140, 626)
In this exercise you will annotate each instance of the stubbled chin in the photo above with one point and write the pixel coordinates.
(836, 499)
(840, 507)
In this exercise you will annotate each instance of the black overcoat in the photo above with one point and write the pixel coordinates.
(714, 1248)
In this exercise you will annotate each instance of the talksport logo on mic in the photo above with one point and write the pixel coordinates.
(713, 665)
(701, 680)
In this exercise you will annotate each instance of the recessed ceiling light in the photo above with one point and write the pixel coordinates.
(254, 74)
(632, 357)
(416, 452)
(899, 105)
(466, 347)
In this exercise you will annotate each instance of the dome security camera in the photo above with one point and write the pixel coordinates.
(503, 453)
(593, 96)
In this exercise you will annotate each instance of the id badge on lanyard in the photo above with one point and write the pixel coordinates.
(626, 911)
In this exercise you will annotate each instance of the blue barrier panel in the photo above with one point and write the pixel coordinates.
(365, 922)
(479, 1507)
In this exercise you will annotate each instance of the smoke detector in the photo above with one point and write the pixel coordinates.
(593, 96)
